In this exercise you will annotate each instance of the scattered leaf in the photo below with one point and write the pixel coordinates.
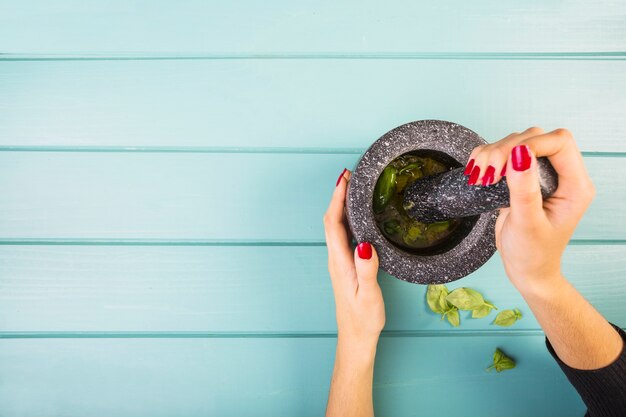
(501, 362)
(481, 311)
(434, 294)
(465, 299)
(507, 317)
(453, 317)
(442, 303)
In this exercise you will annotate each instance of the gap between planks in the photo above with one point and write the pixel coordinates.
(225, 149)
(553, 56)
(255, 335)
(217, 242)
(261, 335)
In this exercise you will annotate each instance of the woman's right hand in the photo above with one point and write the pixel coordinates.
(532, 233)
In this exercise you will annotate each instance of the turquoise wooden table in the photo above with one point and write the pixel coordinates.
(158, 255)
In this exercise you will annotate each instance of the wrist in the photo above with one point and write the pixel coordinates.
(541, 287)
(357, 350)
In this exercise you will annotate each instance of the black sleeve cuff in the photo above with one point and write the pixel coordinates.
(603, 390)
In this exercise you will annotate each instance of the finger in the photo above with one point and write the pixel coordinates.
(366, 264)
(483, 166)
(347, 176)
(335, 208)
(499, 156)
(523, 182)
(491, 159)
(335, 229)
(502, 215)
(560, 148)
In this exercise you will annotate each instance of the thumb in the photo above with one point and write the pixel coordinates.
(523, 181)
(366, 264)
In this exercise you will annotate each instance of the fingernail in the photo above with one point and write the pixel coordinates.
(364, 250)
(503, 172)
(489, 174)
(341, 176)
(474, 176)
(468, 167)
(520, 156)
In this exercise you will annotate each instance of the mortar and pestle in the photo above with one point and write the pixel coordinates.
(443, 198)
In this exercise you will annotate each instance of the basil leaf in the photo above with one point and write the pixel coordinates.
(391, 226)
(443, 304)
(501, 362)
(384, 189)
(490, 305)
(507, 317)
(438, 227)
(497, 356)
(415, 232)
(402, 181)
(413, 168)
(504, 364)
(481, 311)
(465, 299)
(453, 317)
(434, 294)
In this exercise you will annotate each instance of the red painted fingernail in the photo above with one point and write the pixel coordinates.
(474, 176)
(468, 167)
(341, 176)
(520, 156)
(488, 177)
(364, 250)
(503, 172)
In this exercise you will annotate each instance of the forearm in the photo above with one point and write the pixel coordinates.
(580, 336)
(351, 386)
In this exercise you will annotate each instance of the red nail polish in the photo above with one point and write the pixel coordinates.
(468, 167)
(364, 250)
(474, 176)
(341, 176)
(520, 156)
(489, 174)
(503, 172)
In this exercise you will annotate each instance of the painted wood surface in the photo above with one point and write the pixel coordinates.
(246, 289)
(158, 255)
(235, 196)
(275, 377)
(188, 27)
(326, 105)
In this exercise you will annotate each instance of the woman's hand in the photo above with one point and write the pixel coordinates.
(358, 299)
(532, 234)
(360, 312)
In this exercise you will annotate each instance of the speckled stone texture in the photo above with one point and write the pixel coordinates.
(446, 196)
(459, 261)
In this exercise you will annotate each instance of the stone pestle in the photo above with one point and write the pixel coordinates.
(447, 195)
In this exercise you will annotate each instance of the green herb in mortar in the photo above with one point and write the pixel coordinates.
(389, 213)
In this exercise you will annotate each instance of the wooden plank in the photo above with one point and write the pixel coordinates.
(245, 289)
(302, 103)
(192, 27)
(272, 377)
(207, 196)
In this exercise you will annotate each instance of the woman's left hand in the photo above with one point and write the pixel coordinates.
(358, 299)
